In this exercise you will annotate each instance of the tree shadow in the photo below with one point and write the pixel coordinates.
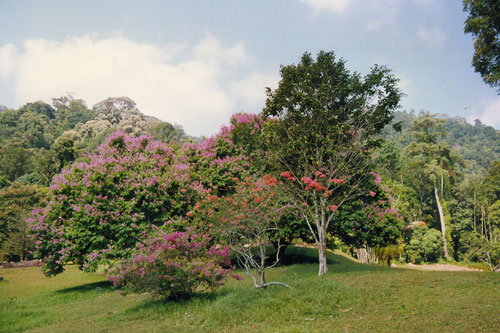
(101, 286)
(167, 305)
(337, 263)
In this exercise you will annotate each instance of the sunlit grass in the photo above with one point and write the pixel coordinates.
(351, 297)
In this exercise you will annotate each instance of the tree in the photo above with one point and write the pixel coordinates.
(484, 24)
(105, 204)
(16, 204)
(246, 222)
(429, 164)
(327, 120)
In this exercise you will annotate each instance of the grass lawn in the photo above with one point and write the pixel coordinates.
(350, 298)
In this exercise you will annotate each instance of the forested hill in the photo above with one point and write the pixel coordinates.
(479, 144)
(38, 139)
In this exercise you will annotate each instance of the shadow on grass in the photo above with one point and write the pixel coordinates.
(337, 263)
(164, 306)
(101, 286)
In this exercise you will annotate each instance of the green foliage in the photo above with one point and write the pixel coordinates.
(15, 161)
(484, 24)
(318, 102)
(426, 245)
(16, 204)
(27, 135)
(167, 132)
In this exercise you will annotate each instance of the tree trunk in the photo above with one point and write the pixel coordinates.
(443, 224)
(362, 255)
(442, 184)
(262, 265)
(475, 199)
(482, 222)
(281, 247)
(323, 268)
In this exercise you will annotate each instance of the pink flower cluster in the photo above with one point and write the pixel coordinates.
(174, 265)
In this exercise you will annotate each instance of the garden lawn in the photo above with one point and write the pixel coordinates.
(350, 298)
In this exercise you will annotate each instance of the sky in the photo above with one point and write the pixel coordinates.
(195, 63)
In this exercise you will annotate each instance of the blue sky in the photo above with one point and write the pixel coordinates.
(194, 63)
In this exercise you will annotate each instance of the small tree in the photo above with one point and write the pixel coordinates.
(327, 120)
(245, 220)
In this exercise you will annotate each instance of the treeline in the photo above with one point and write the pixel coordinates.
(444, 174)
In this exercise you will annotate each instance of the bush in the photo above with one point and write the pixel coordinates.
(426, 245)
(174, 266)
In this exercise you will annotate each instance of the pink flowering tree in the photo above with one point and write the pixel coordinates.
(105, 205)
(174, 265)
(326, 121)
(219, 161)
(246, 221)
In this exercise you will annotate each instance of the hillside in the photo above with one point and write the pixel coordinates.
(478, 144)
(351, 297)
(38, 139)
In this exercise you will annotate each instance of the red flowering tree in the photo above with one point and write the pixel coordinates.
(326, 122)
(246, 221)
(239, 151)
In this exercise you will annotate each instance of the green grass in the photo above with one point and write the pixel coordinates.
(350, 298)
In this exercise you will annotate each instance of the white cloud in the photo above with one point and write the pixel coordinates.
(187, 85)
(251, 89)
(334, 6)
(488, 111)
(8, 60)
(434, 38)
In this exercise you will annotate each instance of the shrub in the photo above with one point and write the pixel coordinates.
(174, 266)
(426, 245)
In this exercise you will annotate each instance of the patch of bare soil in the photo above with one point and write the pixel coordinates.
(442, 267)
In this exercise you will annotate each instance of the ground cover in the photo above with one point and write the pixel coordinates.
(351, 297)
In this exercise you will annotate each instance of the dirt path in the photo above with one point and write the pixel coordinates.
(441, 267)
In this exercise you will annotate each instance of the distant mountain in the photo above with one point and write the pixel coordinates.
(2, 107)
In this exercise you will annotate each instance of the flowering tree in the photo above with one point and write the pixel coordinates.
(326, 121)
(174, 265)
(103, 206)
(239, 151)
(217, 162)
(245, 221)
